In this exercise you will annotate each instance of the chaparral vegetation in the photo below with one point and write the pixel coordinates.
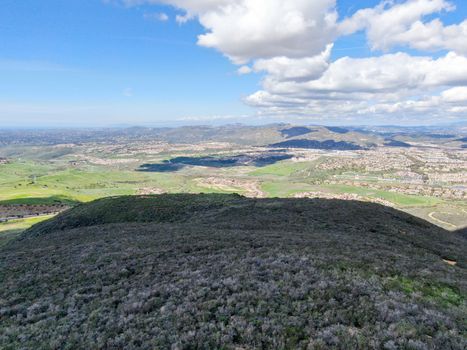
(225, 271)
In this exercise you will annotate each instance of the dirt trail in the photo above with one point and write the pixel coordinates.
(250, 188)
(431, 216)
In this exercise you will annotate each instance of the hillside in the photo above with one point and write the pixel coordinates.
(289, 135)
(236, 134)
(223, 271)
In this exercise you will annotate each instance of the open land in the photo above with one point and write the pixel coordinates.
(364, 249)
(46, 172)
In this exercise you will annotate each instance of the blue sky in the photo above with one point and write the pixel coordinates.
(95, 63)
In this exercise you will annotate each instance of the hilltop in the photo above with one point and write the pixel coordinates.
(210, 271)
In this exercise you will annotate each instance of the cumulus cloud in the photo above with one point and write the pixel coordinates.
(291, 42)
(389, 25)
(252, 29)
(455, 95)
(390, 72)
(359, 109)
(434, 36)
(389, 84)
(244, 30)
(297, 69)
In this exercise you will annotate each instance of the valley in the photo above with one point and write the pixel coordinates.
(427, 179)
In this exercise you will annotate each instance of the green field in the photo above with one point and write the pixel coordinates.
(49, 178)
(397, 198)
(12, 228)
(80, 185)
(21, 224)
(287, 189)
(281, 169)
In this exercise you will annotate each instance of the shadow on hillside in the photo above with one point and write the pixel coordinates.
(235, 212)
(314, 144)
(216, 207)
(296, 131)
(461, 232)
(178, 163)
(51, 200)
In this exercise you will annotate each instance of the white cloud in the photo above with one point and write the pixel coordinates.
(201, 118)
(455, 95)
(434, 36)
(389, 84)
(245, 30)
(252, 29)
(291, 42)
(391, 72)
(195, 7)
(297, 69)
(394, 24)
(181, 19)
(160, 17)
(244, 70)
(420, 109)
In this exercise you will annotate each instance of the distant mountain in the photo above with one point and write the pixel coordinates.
(224, 271)
(363, 137)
